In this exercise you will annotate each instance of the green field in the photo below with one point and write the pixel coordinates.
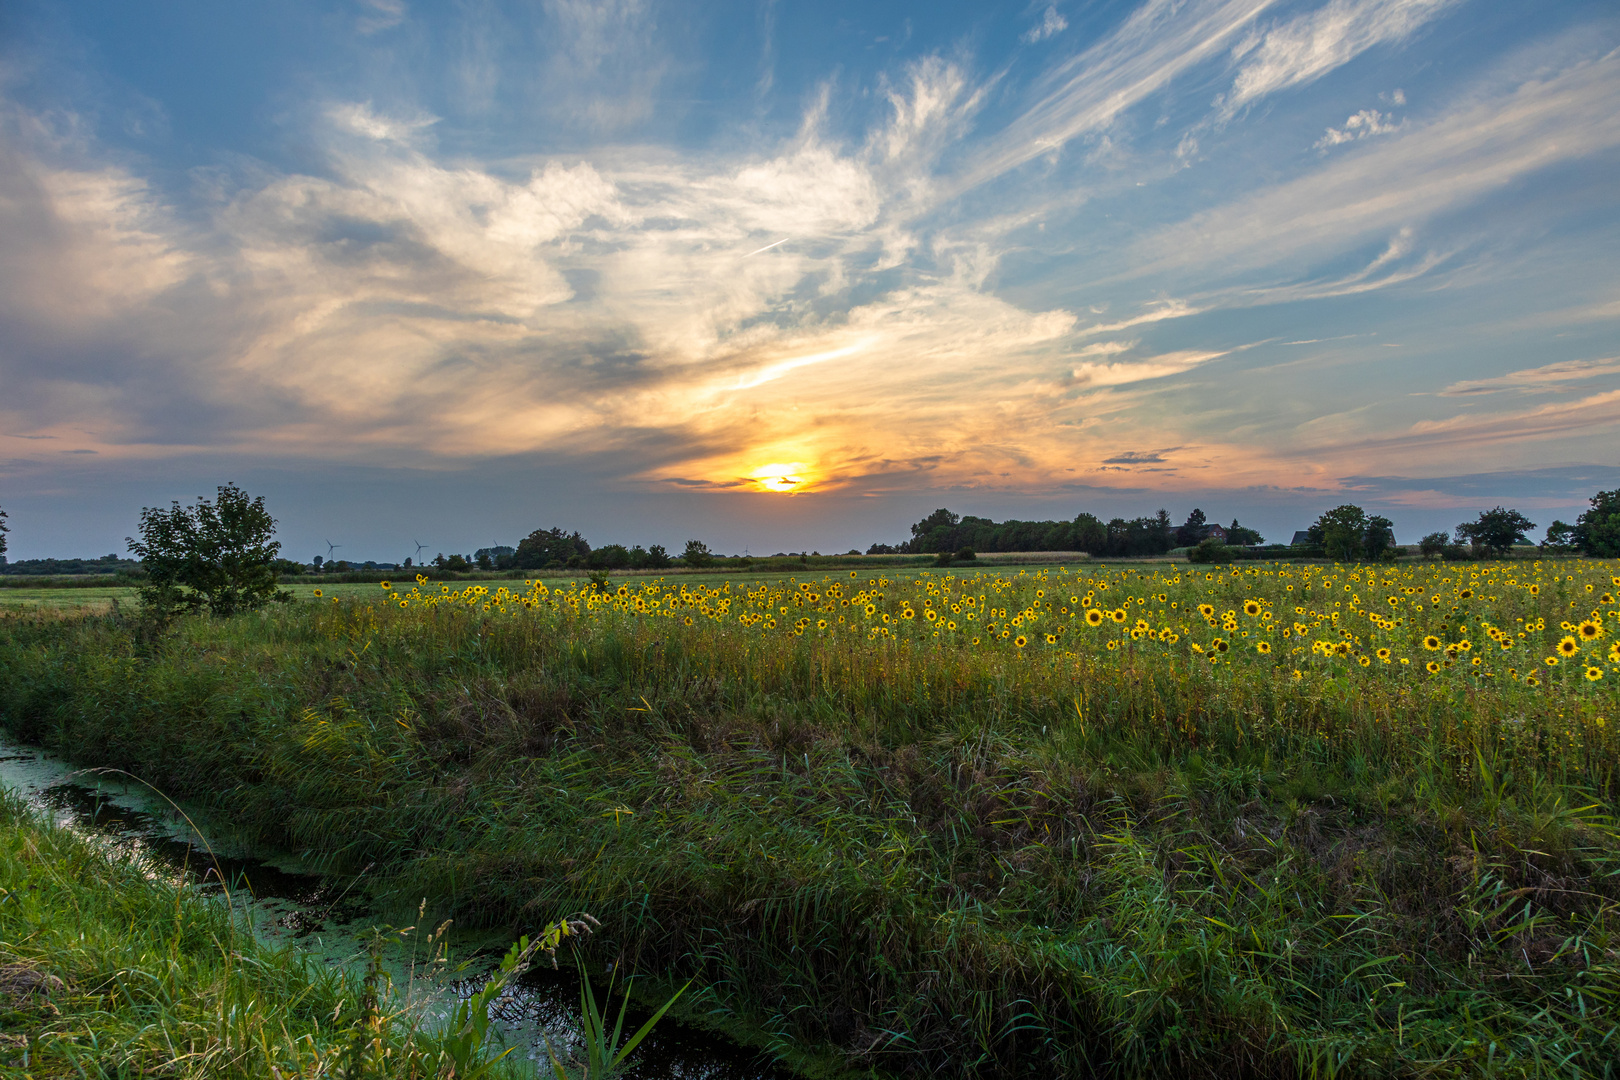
(1129, 821)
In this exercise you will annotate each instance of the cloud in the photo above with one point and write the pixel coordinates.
(1361, 125)
(1548, 378)
(1140, 457)
(1051, 24)
(1308, 46)
(1422, 171)
(1156, 367)
(1159, 41)
(379, 15)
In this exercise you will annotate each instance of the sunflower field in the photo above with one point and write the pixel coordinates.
(1267, 820)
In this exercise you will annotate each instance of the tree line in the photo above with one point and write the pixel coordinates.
(943, 532)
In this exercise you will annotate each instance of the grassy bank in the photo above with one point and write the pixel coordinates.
(110, 968)
(1022, 843)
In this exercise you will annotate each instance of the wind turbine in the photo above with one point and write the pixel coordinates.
(419, 546)
(331, 547)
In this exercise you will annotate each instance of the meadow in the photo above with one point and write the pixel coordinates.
(1123, 820)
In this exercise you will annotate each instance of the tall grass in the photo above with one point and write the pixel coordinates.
(934, 859)
(108, 967)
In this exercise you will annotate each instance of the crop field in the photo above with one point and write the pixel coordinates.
(1117, 820)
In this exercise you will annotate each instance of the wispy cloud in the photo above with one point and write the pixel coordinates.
(1159, 41)
(1548, 378)
(1407, 177)
(1308, 46)
(1051, 25)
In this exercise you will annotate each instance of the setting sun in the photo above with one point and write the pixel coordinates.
(789, 476)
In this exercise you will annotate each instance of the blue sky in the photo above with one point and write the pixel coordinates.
(790, 276)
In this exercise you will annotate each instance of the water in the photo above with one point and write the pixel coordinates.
(288, 902)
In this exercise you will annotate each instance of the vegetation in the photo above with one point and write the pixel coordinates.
(1496, 530)
(217, 555)
(1349, 532)
(1596, 532)
(1260, 820)
(110, 968)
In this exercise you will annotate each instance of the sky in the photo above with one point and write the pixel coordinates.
(788, 277)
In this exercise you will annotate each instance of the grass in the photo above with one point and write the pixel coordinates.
(108, 967)
(1111, 854)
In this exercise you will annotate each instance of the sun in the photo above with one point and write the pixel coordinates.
(789, 476)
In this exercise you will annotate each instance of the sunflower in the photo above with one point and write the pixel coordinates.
(821, 624)
(870, 610)
(1531, 680)
(1363, 661)
(1262, 647)
(385, 585)
(1112, 645)
(1550, 661)
(1431, 667)
(1590, 630)
(1568, 646)
(1221, 646)
(1207, 610)
(1051, 639)
(907, 614)
(1020, 641)
(319, 594)
(1118, 614)
(1593, 674)
(1094, 617)
(1432, 643)
(1251, 608)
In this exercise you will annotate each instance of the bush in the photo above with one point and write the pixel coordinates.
(1211, 551)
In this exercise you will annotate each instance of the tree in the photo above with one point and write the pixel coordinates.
(550, 547)
(1192, 530)
(216, 554)
(1342, 532)
(1597, 530)
(1434, 543)
(3, 530)
(1561, 537)
(1239, 536)
(1496, 530)
(697, 553)
(1378, 539)
(936, 532)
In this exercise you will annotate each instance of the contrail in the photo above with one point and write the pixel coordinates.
(768, 247)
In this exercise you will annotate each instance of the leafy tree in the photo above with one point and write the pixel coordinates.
(1239, 536)
(1597, 530)
(657, 557)
(1496, 530)
(216, 554)
(1379, 539)
(456, 564)
(550, 547)
(1561, 537)
(1192, 530)
(697, 553)
(1434, 543)
(1341, 532)
(610, 557)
